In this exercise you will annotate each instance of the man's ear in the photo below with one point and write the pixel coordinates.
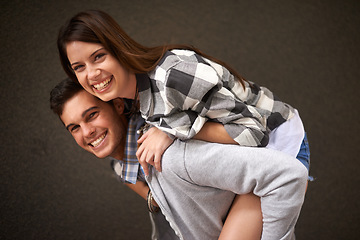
(119, 105)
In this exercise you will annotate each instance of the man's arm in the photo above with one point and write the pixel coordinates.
(140, 188)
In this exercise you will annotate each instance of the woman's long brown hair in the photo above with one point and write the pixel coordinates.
(95, 26)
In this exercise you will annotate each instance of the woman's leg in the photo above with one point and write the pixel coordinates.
(277, 178)
(244, 221)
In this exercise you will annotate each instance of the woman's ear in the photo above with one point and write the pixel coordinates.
(119, 105)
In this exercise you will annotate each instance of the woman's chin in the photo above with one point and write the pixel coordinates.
(105, 96)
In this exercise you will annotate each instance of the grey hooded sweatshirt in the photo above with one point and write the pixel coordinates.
(199, 181)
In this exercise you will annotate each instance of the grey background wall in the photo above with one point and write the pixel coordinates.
(306, 51)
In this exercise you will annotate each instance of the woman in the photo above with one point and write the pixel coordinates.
(95, 51)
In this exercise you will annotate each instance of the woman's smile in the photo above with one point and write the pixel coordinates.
(99, 72)
(102, 86)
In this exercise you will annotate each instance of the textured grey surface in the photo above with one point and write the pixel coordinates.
(305, 51)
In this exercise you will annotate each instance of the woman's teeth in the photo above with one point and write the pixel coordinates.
(101, 86)
(98, 141)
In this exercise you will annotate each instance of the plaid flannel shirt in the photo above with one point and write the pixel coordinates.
(129, 170)
(185, 90)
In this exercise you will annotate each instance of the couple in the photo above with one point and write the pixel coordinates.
(199, 180)
(186, 95)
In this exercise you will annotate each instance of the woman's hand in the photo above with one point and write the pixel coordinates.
(153, 144)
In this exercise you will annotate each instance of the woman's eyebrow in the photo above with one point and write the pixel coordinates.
(96, 51)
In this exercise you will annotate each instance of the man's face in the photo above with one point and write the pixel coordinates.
(96, 126)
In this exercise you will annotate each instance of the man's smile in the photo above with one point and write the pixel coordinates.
(98, 141)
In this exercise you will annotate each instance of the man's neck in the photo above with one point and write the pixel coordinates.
(120, 151)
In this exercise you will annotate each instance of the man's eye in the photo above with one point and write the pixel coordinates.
(78, 67)
(92, 115)
(74, 128)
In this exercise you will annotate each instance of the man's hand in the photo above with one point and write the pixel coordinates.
(153, 144)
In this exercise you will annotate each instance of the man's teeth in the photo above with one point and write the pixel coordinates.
(101, 86)
(98, 141)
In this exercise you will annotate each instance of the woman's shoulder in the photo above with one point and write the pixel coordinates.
(182, 52)
(174, 57)
(178, 55)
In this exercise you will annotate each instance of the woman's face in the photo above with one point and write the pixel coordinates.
(99, 72)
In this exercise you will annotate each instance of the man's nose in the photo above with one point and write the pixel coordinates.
(88, 130)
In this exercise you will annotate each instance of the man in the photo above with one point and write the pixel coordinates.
(199, 180)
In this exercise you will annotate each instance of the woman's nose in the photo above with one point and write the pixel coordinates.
(93, 72)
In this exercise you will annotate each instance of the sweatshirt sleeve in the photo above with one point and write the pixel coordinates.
(192, 93)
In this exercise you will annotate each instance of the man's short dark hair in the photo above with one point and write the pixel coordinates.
(61, 93)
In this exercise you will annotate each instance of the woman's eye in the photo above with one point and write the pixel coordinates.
(99, 56)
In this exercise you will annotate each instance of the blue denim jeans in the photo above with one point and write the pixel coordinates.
(304, 155)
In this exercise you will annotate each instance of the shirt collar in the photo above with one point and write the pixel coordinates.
(128, 169)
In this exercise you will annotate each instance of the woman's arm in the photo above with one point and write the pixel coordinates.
(153, 144)
(192, 92)
(214, 132)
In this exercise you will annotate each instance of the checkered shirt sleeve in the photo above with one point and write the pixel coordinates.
(186, 90)
(129, 170)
